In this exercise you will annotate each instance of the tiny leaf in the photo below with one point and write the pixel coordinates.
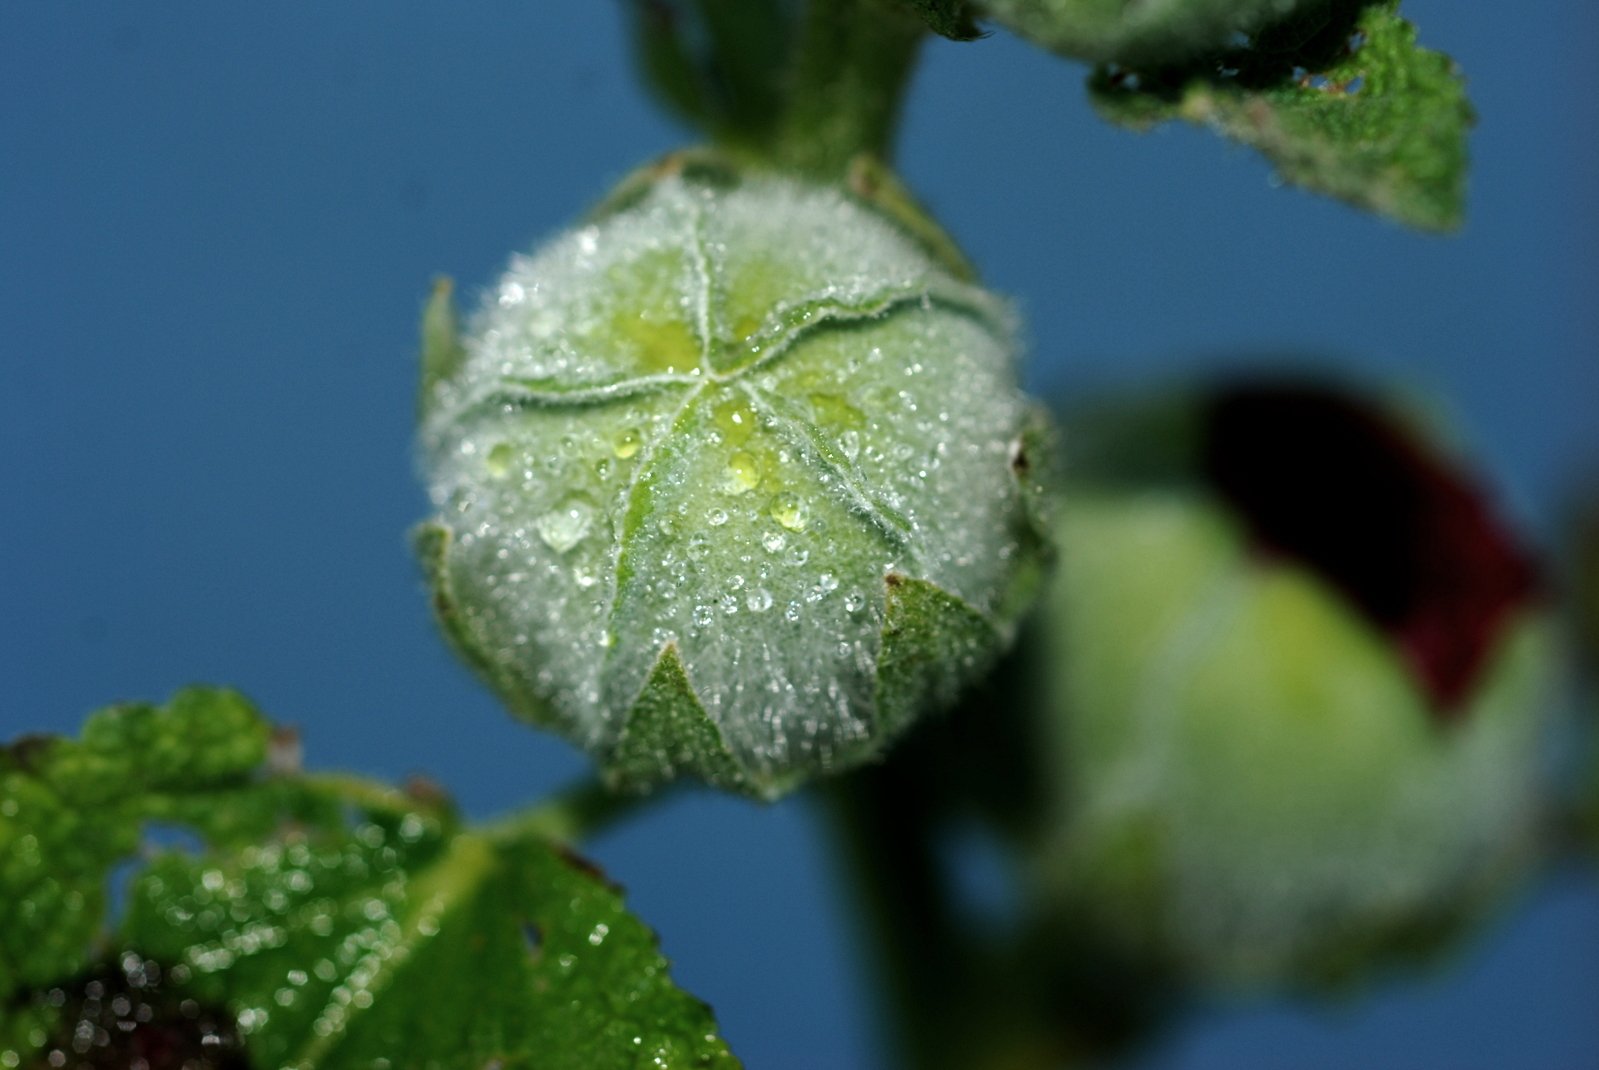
(1374, 121)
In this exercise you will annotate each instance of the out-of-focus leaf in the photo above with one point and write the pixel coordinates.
(720, 64)
(1358, 112)
(1587, 580)
(319, 921)
(947, 18)
(1150, 32)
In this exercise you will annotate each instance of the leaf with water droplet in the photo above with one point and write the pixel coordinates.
(318, 922)
(71, 808)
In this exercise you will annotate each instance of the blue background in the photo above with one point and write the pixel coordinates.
(217, 223)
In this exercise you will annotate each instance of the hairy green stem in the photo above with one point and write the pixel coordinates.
(847, 82)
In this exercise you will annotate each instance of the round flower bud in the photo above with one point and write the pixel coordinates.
(1298, 679)
(1146, 34)
(731, 481)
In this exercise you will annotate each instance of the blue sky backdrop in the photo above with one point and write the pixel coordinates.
(217, 224)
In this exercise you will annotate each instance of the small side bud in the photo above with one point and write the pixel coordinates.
(1299, 674)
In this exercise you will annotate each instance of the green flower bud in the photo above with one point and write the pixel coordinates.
(1148, 34)
(730, 480)
(1298, 688)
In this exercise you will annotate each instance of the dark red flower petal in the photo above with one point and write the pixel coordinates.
(1338, 487)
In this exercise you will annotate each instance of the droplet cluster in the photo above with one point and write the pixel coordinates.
(715, 422)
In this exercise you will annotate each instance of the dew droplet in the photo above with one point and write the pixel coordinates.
(826, 583)
(850, 443)
(627, 442)
(564, 526)
(773, 541)
(743, 473)
(759, 600)
(498, 460)
(788, 510)
(855, 601)
(716, 517)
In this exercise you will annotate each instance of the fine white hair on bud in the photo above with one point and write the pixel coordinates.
(727, 481)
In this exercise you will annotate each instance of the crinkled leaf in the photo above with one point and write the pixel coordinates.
(71, 809)
(318, 922)
(1373, 120)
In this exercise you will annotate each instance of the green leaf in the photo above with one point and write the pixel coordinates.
(322, 921)
(70, 809)
(720, 64)
(1374, 120)
(947, 18)
(1148, 33)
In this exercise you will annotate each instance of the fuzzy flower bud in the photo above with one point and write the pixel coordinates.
(731, 481)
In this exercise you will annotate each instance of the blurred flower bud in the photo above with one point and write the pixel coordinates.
(1298, 687)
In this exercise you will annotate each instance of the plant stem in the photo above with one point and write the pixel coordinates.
(572, 814)
(847, 82)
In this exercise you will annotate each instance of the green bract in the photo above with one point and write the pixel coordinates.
(1154, 32)
(730, 481)
(1273, 771)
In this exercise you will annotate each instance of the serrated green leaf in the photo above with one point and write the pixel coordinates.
(331, 922)
(400, 944)
(70, 809)
(1378, 122)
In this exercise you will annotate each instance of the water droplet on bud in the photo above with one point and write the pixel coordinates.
(564, 526)
(788, 510)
